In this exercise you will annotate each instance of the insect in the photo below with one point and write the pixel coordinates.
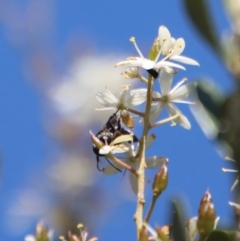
(111, 130)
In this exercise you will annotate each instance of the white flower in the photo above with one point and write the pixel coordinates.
(133, 161)
(169, 47)
(124, 100)
(169, 96)
(172, 48)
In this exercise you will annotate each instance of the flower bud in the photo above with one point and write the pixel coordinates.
(154, 50)
(206, 215)
(160, 181)
(143, 235)
(41, 231)
(163, 233)
(127, 119)
(131, 73)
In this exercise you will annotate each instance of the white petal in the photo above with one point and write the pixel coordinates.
(133, 182)
(148, 64)
(134, 62)
(184, 60)
(152, 232)
(216, 222)
(163, 64)
(155, 162)
(165, 82)
(188, 102)
(204, 120)
(237, 206)
(106, 98)
(155, 95)
(178, 47)
(178, 85)
(182, 92)
(191, 227)
(122, 138)
(107, 108)
(105, 150)
(149, 140)
(155, 112)
(183, 121)
(119, 149)
(138, 96)
(29, 238)
(165, 40)
(122, 93)
(138, 91)
(235, 183)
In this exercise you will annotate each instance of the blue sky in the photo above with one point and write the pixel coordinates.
(104, 27)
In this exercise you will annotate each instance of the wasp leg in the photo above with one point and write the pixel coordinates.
(113, 165)
(98, 161)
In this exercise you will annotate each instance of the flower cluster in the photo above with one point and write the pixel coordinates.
(114, 138)
(125, 150)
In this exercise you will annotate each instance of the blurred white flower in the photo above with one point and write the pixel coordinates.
(71, 97)
(169, 47)
(133, 161)
(71, 172)
(169, 96)
(125, 99)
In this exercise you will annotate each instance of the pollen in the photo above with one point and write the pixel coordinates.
(132, 40)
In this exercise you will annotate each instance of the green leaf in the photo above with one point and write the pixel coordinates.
(202, 19)
(178, 230)
(218, 235)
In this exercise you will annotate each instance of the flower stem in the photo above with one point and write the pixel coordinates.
(149, 213)
(141, 171)
(136, 112)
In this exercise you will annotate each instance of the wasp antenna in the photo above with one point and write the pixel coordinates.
(113, 165)
(116, 111)
(98, 161)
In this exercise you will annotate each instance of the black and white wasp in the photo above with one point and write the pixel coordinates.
(111, 130)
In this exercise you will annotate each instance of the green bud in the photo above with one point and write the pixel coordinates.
(160, 181)
(154, 50)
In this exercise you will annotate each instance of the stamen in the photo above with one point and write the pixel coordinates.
(157, 57)
(178, 85)
(132, 40)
